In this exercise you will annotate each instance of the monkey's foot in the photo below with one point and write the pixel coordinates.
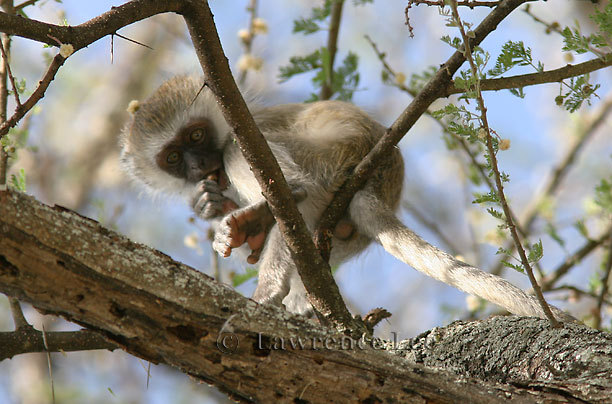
(208, 202)
(249, 225)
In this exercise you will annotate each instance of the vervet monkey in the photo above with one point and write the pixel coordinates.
(178, 143)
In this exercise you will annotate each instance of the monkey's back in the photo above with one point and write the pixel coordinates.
(327, 139)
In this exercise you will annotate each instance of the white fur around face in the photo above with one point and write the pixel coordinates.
(152, 129)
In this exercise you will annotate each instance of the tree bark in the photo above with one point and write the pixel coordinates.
(164, 311)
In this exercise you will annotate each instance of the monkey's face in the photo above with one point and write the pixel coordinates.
(175, 138)
(191, 154)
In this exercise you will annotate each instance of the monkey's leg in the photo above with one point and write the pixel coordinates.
(275, 271)
(208, 201)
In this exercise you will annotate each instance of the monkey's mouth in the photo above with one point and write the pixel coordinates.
(220, 177)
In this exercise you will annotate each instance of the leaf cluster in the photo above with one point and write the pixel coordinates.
(578, 91)
(344, 79)
(576, 41)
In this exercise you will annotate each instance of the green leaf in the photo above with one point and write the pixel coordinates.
(490, 197)
(346, 78)
(239, 279)
(551, 230)
(582, 229)
(517, 92)
(18, 181)
(603, 195)
(306, 26)
(536, 252)
(502, 250)
(518, 268)
(496, 214)
(603, 19)
(299, 65)
(580, 90)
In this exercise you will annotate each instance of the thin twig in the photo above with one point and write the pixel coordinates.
(532, 79)
(18, 318)
(497, 176)
(10, 74)
(132, 40)
(578, 291)
(549, 281)
(555, 27)
(44, 335)
(248, 40)
(3, 114)
(484, 176)
(604, 288)
(460, 3)
(431, 91)
(431, 225)
(332, 48)
(559, 173)
(38, 93)
(25, 4)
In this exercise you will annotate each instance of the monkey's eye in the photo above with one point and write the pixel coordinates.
(196, 135)
(173, 157)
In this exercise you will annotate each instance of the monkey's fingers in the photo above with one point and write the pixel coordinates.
(228, 236)
(228, 206)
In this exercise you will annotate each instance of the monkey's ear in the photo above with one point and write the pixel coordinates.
(133, 106)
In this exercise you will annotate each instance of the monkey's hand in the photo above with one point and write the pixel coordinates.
(249, 225)
(208, 201)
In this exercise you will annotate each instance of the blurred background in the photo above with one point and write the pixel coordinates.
(70, 157)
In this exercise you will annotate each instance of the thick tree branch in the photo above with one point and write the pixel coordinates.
(316, 275)
(87, 33)
(78, 36)
(163, 311)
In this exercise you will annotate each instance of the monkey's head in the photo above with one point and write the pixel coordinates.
(175, 138)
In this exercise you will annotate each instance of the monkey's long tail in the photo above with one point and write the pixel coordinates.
(380, 223)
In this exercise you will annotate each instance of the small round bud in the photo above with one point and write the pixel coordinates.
(400, 78)
(260, 26)
(472, 302)
(133, 106)
(244, 35)
(191, 240)
(482, 134)
(559, 100)
(569, 58)
(470, 34)
(504, 144)
(249, 62)
(66, 50)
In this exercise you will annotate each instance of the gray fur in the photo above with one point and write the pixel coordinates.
(317, 146)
